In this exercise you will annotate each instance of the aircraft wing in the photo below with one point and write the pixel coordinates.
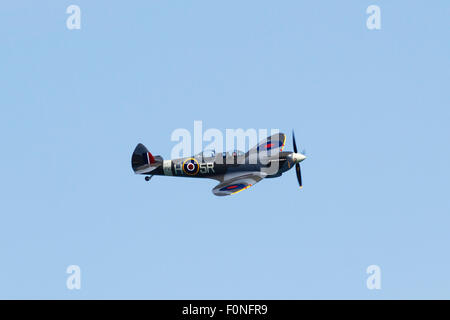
(237, 183)
(274, 143)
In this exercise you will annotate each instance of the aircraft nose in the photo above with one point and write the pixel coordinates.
(298, 157)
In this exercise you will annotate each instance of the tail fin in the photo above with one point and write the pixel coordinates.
(142, 161)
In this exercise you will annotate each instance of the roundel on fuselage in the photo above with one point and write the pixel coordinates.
(191, 166)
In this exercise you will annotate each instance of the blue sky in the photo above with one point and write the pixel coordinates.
(370, 107)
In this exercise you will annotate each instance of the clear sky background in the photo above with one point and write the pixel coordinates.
(370, 107)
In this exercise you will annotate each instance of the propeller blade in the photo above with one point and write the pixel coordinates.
(293, 141)
(297, 165)
(299, 174)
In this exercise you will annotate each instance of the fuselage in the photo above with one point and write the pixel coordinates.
(217, 166)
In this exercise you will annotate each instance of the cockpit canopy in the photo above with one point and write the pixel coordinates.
(234, 153)
(212, 154)
(206, 154)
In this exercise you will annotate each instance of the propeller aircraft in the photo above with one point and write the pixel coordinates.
(235, 171)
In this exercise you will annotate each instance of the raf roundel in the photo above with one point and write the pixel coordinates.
(234, 187)
(269, 145)
(191, 166)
